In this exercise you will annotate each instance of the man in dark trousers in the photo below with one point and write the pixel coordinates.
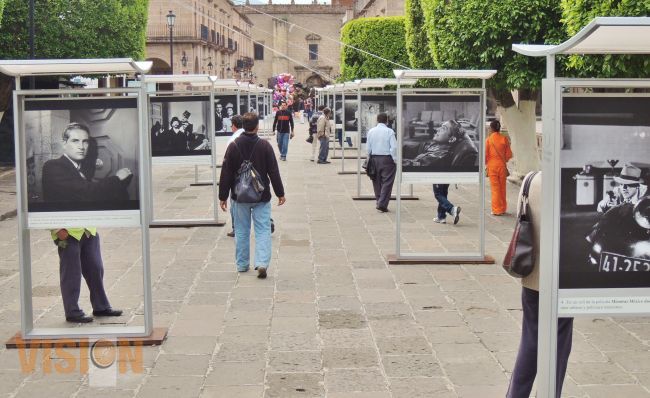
(283, 125)
(382, 149)
(250, 147)
(79, 248)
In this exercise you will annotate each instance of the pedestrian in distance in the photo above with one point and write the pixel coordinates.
(323, 132)
(313, 128)
(382, 150)
(283, 125)
(260, 153)
(441, 193)
(497, 154)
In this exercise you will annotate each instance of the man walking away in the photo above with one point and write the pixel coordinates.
(313, 127)
(382, 149)
(283, 125)
(323, 131)
(250, 146)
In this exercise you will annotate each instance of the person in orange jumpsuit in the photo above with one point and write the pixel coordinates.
(497, 154)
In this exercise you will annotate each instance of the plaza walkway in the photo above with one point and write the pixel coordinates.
(331, 320)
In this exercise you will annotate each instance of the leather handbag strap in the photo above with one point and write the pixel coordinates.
(523, 204)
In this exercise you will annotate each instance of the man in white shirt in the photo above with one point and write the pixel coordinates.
(382, 149)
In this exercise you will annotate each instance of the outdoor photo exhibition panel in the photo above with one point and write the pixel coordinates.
(81, 160)
(181, 126)
(604, 204)
(440, 141)
(348, 116)
(225, 107)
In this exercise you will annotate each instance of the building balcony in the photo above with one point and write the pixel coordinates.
(187, 34)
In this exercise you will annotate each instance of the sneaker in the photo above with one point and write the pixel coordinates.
(261, 272)
(272, 226)
(231, 234)
(440, 220)
(456, 213)
(283, 159)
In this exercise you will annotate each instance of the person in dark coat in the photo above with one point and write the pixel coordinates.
(64, 179)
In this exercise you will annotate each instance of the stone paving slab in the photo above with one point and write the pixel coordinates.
(331, 320)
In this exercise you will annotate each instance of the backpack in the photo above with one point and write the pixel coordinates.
(248, 183)
(313, 123)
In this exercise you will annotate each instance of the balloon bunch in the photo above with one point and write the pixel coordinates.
(283, 89)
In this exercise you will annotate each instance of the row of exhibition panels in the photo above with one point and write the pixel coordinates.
(622, 292)
(134, 128)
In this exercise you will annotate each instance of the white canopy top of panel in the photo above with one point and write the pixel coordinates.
(381, 83)
(52, 67)
(195, 80)
(226, 83)
(603, 35)
(443, 74)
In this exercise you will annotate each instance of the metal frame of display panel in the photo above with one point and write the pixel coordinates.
(27, 314)
(443, 178)
(348, 93)
(629, 37)
(193, 222)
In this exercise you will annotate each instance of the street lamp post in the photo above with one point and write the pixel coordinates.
(171, 18)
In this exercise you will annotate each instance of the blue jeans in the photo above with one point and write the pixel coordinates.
(260, 214)
(283, 144)
(339, 138)
(440, 191)
(324, 148)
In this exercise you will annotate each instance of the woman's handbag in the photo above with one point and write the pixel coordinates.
(369, 166)
(520, 257)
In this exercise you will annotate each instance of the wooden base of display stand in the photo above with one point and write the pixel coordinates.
(189, 224)
(156, 338)
(370, 197)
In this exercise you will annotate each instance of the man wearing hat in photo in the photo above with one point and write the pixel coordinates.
(187, 127)
(629, 190)
(177, 138)
(227, 120)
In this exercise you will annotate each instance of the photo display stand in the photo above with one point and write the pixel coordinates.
(422, 160)
(181, 125)
(226, 92)
(371, 103)
(595, 228)
(38, 117)
(345, 113)
(330, 95)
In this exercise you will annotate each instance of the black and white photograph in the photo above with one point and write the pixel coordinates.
(260, 106)
(441, 133)
(351, 113)
(82, 154)
(371, 106)
(605, 204)
(225, 107)
(179, 126)
(243, 104)
(252, 106)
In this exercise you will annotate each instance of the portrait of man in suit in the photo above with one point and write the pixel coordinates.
(69, 177)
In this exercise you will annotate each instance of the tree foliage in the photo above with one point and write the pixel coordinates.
(578, 13)
(417, 43)
(75, 29)
(2, 6)
(478, 34)
(383, 36)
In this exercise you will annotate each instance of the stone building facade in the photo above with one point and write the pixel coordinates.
(378, 8)
(292, 49)
(209, 36)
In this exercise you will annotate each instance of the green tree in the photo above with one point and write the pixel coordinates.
(577, 14)
(478, 34)
(383, 36)
(417, 43)
(75, 29)
(2, 6)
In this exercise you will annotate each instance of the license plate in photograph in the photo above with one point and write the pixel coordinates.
(611, 262)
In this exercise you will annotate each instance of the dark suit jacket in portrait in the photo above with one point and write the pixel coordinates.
(62, 182)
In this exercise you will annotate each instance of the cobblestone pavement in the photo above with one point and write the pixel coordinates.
(332, 319)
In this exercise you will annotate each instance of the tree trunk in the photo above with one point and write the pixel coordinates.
(520, 122)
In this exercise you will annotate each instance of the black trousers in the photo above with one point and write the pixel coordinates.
(383, 182)
(525, 369)
(82, 258)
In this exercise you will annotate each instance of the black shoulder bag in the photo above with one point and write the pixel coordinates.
(248, 182)
(519, 260)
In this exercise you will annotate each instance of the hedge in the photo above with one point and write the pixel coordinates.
(383, 36)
